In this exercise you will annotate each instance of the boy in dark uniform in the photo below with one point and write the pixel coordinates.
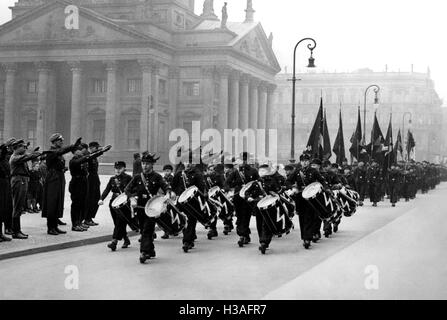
(140, 189)
(116, 185)
(236, 179)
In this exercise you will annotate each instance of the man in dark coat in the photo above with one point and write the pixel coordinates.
(5, 192)
(19, 183)
(54, 184)
(94, 186)
(137, 169)
(8, 215)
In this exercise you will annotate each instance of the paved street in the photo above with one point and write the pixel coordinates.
(405, 243)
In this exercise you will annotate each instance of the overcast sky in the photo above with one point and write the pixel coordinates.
(350, 34)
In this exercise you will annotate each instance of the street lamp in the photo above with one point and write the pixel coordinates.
(311, 64)
(376, 105)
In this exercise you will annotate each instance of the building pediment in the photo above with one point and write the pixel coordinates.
(48, 23)
(256, 45)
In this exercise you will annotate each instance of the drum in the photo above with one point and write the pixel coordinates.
(251, 189)
(226, 208)
(321, 201)
(349, 200)
(172, 221)
(275, 216)
(194, 204)
(288, 203)
(166, 214)
(121, 205)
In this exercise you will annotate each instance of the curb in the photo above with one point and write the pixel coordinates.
(59, 246)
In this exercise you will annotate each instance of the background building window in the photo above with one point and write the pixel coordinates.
(162, 88)
(31, 132)
(32, 86)
(191, 89)
(133, 134)
(134, 85)
(99, 85)
(99, 128)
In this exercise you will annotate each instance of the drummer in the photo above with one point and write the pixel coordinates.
(140, 189)
(308, 218)
(271, 185)
(238, 177)
(116, 185)
(183, 179)
(214, 177)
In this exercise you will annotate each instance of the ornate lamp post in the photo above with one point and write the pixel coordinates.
(376, 105)
(311, 47)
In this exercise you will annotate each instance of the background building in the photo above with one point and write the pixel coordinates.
(132, 72)
(400, 92)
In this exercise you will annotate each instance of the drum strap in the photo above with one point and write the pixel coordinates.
(242, 176)
(143, 178)
(302, 178)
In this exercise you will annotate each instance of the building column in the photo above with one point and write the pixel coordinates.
(243, 110)
(262, 113)
(76, 112)
(155, 115)
(208, 97)
(223, 98)
(43, 70)
(233, 107)
(146, 102)
(270, 116)
(174, 76)
(270, 110)
(9, 115)
(254, 104)
(111, 103)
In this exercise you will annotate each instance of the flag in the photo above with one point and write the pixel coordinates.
(327, 153)
(398, 147)
(377, 141)
(339, 144)
(356, 139)
(388, 146)
(315, 143)
(410, 145)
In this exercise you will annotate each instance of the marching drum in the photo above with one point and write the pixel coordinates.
(194, 203)
(349, 201)
(166, 214)
(121, 205)
(226, 209)
(288, 203)
(275, 215)
(321, 201)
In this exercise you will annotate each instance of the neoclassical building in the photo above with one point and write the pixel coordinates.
(127, 72)
(400, 92)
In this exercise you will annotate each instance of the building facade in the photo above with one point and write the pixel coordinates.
(400, 92)
(128, 72)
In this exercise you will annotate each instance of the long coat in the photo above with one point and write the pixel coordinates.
(54, 186)
(5, 192)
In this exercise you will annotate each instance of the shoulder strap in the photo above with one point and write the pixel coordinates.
(143, 178)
